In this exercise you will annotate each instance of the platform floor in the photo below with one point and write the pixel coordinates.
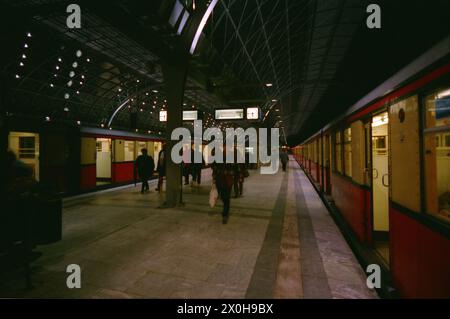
(280, 242)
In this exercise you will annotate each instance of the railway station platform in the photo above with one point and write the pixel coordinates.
(280, 242)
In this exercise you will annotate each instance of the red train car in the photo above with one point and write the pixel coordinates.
(386, 165)
(107, 156)
(72, 160)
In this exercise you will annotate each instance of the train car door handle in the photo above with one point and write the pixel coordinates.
(382, 180)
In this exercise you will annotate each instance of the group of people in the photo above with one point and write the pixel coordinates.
(193, 168)
(226, 176)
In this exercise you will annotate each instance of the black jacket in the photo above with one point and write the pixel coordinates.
(144, 166)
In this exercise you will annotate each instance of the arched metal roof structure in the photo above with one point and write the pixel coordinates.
(292, 58)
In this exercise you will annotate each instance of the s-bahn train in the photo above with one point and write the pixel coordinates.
(385, 167)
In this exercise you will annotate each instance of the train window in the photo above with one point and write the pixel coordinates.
(338, 152)
(141, 145)
(437, 153)
(437, 108)
(129, 151)
(446, 142)
(27, 147)
(348, 152)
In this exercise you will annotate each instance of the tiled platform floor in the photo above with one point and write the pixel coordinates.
(280, 242)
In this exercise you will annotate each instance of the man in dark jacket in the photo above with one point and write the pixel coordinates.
(284, 158)
(144, 166)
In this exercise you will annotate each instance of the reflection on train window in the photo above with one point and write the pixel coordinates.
(348, 152)
(338, 152)
(379, 145)
(438, 109)
(27, 147)
(437, 153)
(129, 151)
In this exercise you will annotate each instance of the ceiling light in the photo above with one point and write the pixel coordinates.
(24, 56)
(47, 118)
(75, 65)
(21, 64)
(29, 34)
(155, 91)
(79, 53)
(71, 74)
(269, 84)
(25, 46)
(17, 76)
(88, 60)
(78, 122)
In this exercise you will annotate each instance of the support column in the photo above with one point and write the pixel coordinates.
(174, 82)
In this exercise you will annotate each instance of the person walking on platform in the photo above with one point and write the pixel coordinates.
(284, 158)
(223, 176)
(186, 165)
(144, 167)
(161, 167)
(196, 167)
(240, 173)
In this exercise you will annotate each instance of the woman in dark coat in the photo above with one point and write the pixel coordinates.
(161, 167)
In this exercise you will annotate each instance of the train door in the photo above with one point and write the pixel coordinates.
(103, 161)
(380, 184)
(327, 162)
(26, 147)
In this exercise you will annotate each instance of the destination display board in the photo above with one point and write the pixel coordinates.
(190, 115)
(229, 114)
